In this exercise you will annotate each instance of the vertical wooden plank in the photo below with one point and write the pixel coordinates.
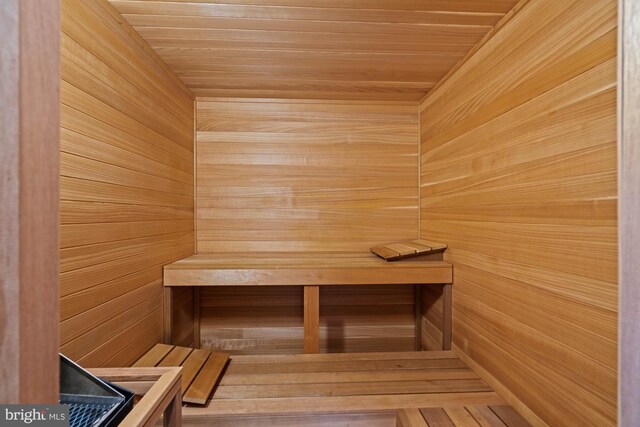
(418, 316)
(9, 201)
(167, 319)
(196, 317)
(629, 212)
(446, 316)
(29, 118)
(311, 319)
(173, 414)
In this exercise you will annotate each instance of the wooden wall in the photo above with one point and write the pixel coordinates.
(278, 175)
(269, 320)
(518, 151)
(126, 185)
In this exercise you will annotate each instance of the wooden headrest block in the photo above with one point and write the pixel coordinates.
(400, 250)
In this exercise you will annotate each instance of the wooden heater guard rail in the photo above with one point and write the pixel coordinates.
(310, 271)
(161, 392)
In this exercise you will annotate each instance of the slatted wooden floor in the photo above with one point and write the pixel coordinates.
(365, 389)
(461, 416)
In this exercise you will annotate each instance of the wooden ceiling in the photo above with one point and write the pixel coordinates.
(325, 49)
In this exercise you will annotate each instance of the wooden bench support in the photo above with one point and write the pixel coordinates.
(311, 271)
(311, 319)
(446, 317)
(167, 315)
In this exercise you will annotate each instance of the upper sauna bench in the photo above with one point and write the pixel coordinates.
(310, 271)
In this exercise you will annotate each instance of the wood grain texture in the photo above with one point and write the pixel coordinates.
(305, 49)
(286, 175)
(161, 398)
(182, 328)
(435, 317)
(267, 388)
(518, 151)
(252, 303)
(311, 319)
(269, 320)
(29, 132)
(201, 387)
(126, 187)
(629, 127)
(461, 416)
(301, 268)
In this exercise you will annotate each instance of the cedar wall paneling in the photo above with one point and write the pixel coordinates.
(310, 176)
(126, 185)
(269, 320)
(303, 175)
(518, 151)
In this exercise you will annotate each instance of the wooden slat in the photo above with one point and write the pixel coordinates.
(509, 416)
(336, 357)
(202, 386)
(385, 252)
(418, 247)
(339, 403)
(341, 377)
(192, 366)
(436, 417)
(410, 418)
(347, 366)
(436, 272)
(154, 356)
(433, 245)
(349, 389)
(402, 249)
(461, 417)
(485, 416)
(175, 357)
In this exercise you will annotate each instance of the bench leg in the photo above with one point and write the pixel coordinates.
(446, 316)
(167, 317)
(311, 319)
(418, 316)
(196, 317)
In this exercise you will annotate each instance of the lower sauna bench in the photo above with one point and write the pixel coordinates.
(356, 390)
